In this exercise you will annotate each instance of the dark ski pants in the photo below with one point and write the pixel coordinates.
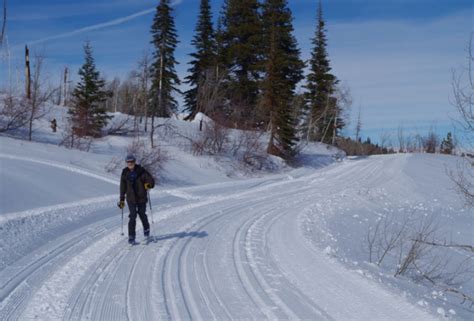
(137, 209)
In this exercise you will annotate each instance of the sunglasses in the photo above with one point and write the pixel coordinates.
(130, 162)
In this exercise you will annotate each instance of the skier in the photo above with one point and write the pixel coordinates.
(134, 183)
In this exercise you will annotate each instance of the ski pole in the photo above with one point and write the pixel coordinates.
(149, 202)
(122, 220)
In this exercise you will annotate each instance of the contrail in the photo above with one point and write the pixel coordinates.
(94, 27)
(100, 25)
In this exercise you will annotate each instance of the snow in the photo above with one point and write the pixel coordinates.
(227, 243)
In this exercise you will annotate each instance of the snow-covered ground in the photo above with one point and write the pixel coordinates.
(291, 244)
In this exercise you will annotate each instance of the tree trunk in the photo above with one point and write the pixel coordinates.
(334, 132)
(4, 24)
(27, 73)
(65, 91)
(152, 130)
(160, 98)
(145, 89)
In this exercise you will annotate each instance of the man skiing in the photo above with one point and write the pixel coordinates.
(134, 183)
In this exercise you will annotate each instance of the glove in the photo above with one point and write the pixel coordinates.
(148, 186)
(121, 204)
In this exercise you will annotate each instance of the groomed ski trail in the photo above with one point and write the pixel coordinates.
(225, 251)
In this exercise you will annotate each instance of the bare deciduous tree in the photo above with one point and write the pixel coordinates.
(144, 79)
(463, 100)
(4, 23)
(401, 140)
(39, 96)
(212, 140)
(13, 113)
(71, 140)
(431, 142)
(385, 138)
(152, 159)
(358, 125)
(463, 92)
(463, 177)
(210, 96)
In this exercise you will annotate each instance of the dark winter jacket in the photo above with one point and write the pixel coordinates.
(132, 184)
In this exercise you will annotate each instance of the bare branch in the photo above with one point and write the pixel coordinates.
(464, 247)
(464, 296)
(463, 178)
(4, 23)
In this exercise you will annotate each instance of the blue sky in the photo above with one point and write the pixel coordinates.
(396, 56)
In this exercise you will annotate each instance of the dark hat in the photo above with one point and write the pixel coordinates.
(130, 158)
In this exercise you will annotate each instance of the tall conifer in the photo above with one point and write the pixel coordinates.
(242, 42)
(283, 69)
(164, 77)
(320, 84)
(204, 59)
(88, 114)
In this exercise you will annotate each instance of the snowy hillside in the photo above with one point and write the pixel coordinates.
(291, 244)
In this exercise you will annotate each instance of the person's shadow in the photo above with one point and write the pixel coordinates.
(180, 235)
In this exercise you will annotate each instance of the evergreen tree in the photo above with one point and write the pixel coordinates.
(242, 49)
(88, 114)
(320, 84)
(164, 77)
(221, 60)
(283, 72)
(204, 59)
(447, 146)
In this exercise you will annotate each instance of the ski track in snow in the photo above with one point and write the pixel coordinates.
(62, 166)
(230, 252)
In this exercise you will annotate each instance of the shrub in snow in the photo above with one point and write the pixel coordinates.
(212, 140)
(411, 248)
(13, 113)
(71, 140)
(152, 159)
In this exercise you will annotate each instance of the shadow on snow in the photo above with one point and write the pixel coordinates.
(180, 235)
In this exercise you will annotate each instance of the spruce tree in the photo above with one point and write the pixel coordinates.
(447, 146)
(221, 59)
(242, 42)
(320, 84)
(204, 59)
(88, 114)
(164, 77)
(283, 72)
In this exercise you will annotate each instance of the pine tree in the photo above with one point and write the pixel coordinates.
(164, 77)
(88, 114)
(204, 59)
(447, 146)
(321, 85)
(283, 72)
(221, 59)
(242, 42)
